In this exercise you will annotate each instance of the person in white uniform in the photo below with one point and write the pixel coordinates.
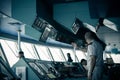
(94, 56)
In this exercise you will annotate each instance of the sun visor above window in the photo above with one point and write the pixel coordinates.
(5, 7)
(24, 10)
(31, 32)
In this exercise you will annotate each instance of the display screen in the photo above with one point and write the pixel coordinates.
(45, 34)
(76, 25)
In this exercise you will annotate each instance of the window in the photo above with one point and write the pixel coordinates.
(116, 58)
(65, 51)
(80, 55)
(56, 53)
(43, 53)
(28, 50)
(10, 50)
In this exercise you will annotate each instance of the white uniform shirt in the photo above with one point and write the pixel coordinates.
(96, 49)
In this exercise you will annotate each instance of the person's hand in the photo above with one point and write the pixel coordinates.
(74, 44)
(89, 76)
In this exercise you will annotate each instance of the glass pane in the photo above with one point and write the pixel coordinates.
(116, 58)
(9, 48)
(28, 50)
(106, 55)
(80, 55)
(56, 53)
(65, 51)
(43, 53)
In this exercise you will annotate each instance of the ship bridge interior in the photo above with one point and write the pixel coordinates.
(37, 35)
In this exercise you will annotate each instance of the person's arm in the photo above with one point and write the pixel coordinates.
(92, 65)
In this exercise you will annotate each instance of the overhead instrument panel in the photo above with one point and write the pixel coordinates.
(45, 28)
